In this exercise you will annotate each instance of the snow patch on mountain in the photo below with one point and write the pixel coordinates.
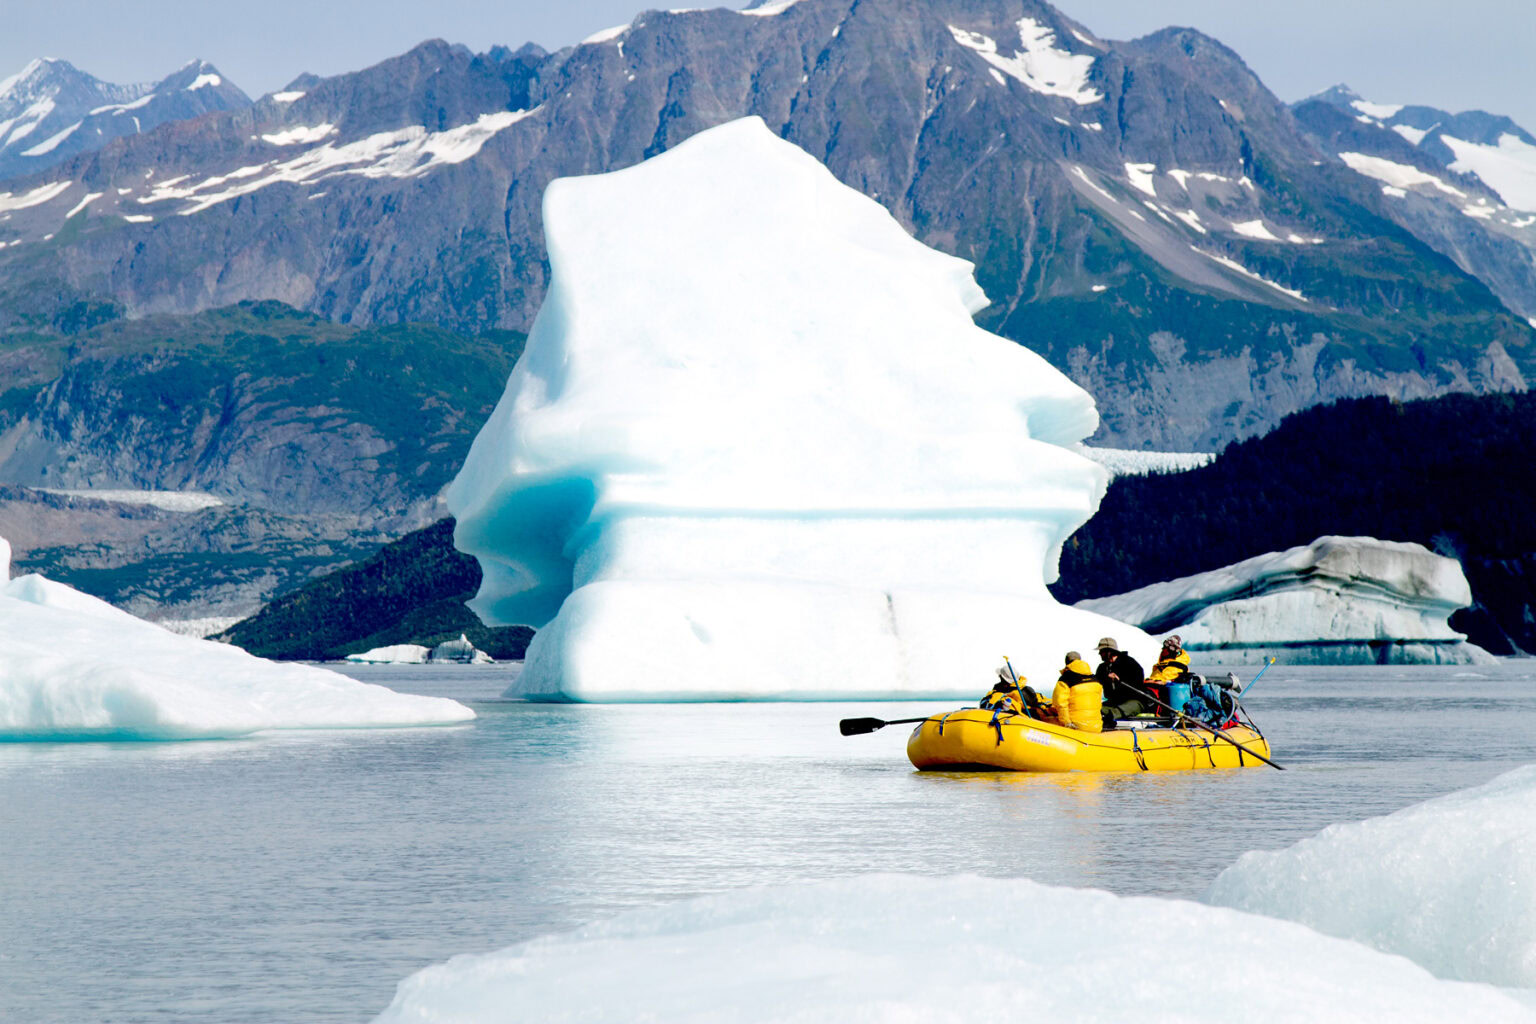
(1412, 134)
(1255, 229)
(1508, 168)
(1233, 265)
(1040, 66)
(1376, 111)
(1395, 174)
(1140, 177)
(407, 153)
(36, 197)
(300, 135)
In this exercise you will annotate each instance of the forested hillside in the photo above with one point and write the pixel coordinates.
(1451, 473)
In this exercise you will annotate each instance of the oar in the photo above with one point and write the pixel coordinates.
(860, 726)
(1214, 732)
(1256, 678)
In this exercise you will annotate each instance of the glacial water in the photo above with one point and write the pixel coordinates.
(299, 876)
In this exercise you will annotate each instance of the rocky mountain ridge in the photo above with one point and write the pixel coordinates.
(51, 111)
(1146, 213)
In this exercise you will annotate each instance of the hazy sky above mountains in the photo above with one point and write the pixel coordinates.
(1471, 54)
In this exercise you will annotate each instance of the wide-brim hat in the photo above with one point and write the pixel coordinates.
(1109, 642)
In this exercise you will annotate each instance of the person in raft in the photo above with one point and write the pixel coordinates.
(1171, 666)
(1004, 696)
(1076, 701)
(1121, 675)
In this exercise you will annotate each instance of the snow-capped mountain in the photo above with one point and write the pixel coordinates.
(1146, 214)
(50, 110)
(1464, 183)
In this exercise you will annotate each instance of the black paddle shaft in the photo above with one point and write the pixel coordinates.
(860, 726)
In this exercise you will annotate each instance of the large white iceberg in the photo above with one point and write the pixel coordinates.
(757, 448)
(1336, 601)
(74, 667)
(1449, 883)
(892, 948)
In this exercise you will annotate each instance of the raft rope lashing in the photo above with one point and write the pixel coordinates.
(1136, 749)
(997, 724)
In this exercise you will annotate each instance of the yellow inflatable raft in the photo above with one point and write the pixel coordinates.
(974, 738)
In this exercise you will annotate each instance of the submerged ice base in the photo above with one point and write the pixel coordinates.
(966, 949)
(1449, 883)
(75, 668)
(756, 448)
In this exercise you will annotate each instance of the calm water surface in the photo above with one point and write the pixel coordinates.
(298, 877)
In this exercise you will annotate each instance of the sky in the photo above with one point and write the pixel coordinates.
(1390, 51)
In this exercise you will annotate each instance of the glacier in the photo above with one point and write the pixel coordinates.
(756, 448)
(1449, 883)
(960, 949)
(73, 667)
(1336, 601)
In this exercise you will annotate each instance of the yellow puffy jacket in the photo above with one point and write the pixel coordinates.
(1008, 702)
(1169, 669)
(1079, 698)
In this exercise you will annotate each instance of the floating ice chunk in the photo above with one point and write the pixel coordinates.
(73, 667)
(1338, 600)
(1449, 883)
(1040, 66)
(946, 950)
(398, 654)
(757, 448)
(1508, 168)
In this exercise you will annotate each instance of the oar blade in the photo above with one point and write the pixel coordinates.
(859, 726)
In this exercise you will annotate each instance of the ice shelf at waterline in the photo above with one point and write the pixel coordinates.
(966, 949)
(1336, 601)
(1449, 883)
(756, 448)
(74, 667)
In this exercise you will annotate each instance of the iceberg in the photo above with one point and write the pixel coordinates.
(1336, 601)
(73, 667)
(756, 448)
(964, 949)
(394, 654)
(1449, 883)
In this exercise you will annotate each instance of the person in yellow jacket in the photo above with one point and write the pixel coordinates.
(1171, 665)
(1078, 697)
(1004, 696)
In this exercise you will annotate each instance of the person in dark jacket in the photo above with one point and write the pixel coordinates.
(1121, 675)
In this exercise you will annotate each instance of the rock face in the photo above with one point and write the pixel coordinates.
(756, 448)
(1145, 214)
(1336, 601)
